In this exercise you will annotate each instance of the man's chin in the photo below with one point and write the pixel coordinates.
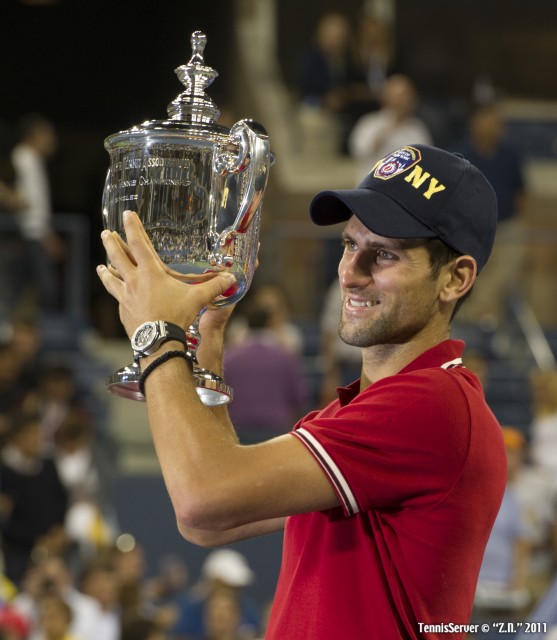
(355, 340)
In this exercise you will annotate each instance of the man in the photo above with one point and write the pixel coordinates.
(377, 132)
(488, 148)
(43, 248)
(390, 492)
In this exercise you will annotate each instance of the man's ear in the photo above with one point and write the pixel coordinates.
(459, 278)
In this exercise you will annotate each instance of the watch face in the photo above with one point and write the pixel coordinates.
(144, 336)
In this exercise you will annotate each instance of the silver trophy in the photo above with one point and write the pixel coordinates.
(198, 189)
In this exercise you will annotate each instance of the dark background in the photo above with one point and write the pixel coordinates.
(94, 67)
(104, 63)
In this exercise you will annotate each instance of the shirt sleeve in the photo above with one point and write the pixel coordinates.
(404, 441)
(363, 136)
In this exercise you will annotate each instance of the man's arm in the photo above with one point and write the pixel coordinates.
(219, 538)
(215, 483)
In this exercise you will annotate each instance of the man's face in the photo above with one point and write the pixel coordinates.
(388, 294)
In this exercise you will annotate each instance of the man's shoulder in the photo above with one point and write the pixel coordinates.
(429, 379)
(430, 395)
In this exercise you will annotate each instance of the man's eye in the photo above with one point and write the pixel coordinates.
(385, 255)
(348, 245)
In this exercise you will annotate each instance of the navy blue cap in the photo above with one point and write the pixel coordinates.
(419, 191)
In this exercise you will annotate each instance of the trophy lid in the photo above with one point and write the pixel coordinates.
(193, 105)
(192, 114)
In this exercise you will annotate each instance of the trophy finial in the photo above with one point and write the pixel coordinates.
(194, 105)
(198, 42)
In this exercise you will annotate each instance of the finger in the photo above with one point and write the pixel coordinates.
(119, 258)
(206, 292)
(138, 240)
(114, 272)
(113, 284)
(148, 241)
(191, 278)
(125, 248)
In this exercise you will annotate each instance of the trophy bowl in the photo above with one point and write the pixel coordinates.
(198, 189)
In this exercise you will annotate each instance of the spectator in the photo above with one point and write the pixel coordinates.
(128, 558)
(10, 203)
(272, 298)
(536, 494)
(223, 570)
(270, 389)
(163, 592)
(376, 52)
(140, 628)
(487, 148)
(331, 78)
(543, 430)
(27, 342)
(222, 617)
(12, 387)
(99, 581)
(56, 398)
(90, 521)
(502, 580)
(395, 125)
(51, 576)
(34, 495)
(55, 617)
(43, 248)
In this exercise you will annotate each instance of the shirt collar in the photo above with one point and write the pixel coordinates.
(437, 356)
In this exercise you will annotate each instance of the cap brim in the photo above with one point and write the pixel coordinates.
(376, 211)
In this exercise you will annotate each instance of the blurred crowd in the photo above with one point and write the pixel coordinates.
(109, 597)
(520, 561)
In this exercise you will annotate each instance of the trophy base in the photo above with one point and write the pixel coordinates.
(211, 389)
(125, 383)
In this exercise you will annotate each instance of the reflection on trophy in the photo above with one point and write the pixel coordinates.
(198, 188)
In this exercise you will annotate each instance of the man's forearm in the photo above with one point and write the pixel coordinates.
(218, 538)
(196, 445)
(210, 355)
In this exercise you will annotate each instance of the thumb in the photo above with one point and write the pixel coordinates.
(223, 283)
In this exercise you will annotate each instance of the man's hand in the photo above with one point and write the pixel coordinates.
(147, 289)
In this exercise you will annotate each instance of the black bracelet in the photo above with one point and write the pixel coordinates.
(186, 355)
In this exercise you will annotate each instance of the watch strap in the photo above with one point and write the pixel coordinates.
(174, 332)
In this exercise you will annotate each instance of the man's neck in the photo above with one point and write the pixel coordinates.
(381, 361)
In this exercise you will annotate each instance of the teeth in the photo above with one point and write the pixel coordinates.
(365, 303)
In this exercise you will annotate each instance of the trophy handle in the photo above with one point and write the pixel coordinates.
(251, 155)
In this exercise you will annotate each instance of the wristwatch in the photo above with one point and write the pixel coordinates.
(149, 336)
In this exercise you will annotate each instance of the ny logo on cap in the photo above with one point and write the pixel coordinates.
(396, 163)
(401, 161)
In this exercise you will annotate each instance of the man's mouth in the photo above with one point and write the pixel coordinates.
(362, 303)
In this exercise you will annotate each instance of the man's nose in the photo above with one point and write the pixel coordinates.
(352, 272)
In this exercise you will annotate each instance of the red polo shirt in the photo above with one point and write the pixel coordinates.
(418, 462)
